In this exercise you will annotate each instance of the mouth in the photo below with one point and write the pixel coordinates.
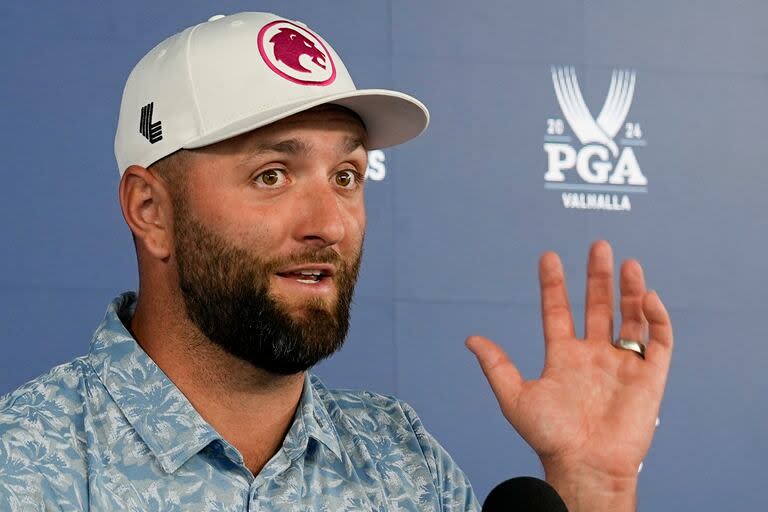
(308, 274)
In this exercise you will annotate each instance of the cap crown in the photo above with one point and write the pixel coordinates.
(221, 78)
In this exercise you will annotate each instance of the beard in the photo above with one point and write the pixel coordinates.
(226, 294)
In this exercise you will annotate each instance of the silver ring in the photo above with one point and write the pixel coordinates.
(634, 346)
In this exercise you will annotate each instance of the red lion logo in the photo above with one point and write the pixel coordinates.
(290, 45)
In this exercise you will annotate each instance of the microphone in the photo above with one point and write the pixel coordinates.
(524, 493)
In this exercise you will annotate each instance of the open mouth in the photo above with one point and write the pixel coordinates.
(309, 276)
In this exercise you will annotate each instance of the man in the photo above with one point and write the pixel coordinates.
(242, 148)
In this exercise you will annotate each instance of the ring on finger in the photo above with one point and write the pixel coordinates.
(633, 345)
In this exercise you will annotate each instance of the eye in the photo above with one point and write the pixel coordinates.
(271, 178)
(347, 178)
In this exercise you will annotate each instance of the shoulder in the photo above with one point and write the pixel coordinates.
(364, 408)
(378, 420)
(41, 423)
(48, 398)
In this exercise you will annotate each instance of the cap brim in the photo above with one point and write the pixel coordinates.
(390, 117)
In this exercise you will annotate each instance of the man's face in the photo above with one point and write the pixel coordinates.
(268, 233)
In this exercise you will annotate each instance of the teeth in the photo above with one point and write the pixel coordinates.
(312, 276)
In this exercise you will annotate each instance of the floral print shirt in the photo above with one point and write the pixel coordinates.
(110, 432)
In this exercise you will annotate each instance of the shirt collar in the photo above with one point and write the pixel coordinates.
(312, 421)
(159, 413)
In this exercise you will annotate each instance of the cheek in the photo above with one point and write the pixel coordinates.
(358, 220)
(259, 231)
(249, 227)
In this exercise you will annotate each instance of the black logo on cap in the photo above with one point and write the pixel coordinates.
(153, 132)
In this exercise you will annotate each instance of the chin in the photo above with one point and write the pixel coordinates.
(302, 309)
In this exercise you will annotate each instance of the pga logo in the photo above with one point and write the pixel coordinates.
(593, 165)
(599, 161)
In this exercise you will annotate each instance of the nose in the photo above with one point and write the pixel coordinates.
(321, 221)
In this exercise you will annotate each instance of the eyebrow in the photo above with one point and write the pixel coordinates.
(300, 147)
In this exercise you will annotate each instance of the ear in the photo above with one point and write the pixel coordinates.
(147, 209)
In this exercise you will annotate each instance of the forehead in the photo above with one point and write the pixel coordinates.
(323, 125)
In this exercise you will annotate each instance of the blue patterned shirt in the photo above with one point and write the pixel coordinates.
(109, 431)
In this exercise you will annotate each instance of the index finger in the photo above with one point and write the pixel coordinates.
(555, 308)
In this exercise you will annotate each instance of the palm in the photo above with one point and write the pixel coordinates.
(583, 406)
(593, 405)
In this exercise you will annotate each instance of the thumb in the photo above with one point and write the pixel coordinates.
(502, 374)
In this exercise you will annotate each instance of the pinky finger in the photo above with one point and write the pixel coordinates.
(659, 351)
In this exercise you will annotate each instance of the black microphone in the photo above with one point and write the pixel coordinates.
(526, 494)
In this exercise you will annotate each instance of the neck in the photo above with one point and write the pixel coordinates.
(249, 407)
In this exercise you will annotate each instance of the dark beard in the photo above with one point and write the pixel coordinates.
(226, 295)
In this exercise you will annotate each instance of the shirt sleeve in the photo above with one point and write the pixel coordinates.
(454, 490)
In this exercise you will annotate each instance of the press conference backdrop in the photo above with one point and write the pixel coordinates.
(554, 123)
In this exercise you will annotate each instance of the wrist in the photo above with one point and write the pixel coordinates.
(583, 488)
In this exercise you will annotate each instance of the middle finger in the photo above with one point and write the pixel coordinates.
(598, 321)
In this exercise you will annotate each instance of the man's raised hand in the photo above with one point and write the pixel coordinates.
(590, 416)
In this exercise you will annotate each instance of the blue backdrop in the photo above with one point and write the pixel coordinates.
(457, 218)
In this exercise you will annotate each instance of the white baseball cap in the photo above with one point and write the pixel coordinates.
(235, 73)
